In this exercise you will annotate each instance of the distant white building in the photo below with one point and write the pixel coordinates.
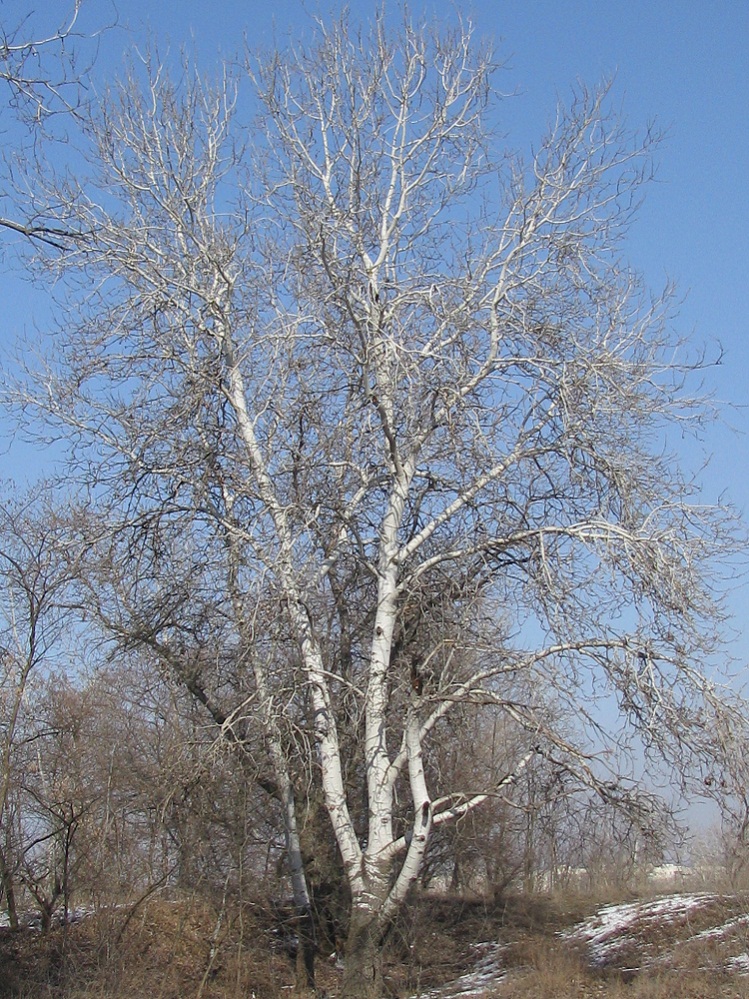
(671, 874)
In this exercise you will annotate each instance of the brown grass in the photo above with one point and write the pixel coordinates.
(549, 969)
(664, 961)
(187, 948)
(161, 950)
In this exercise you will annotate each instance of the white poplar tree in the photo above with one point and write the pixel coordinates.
(378, 411)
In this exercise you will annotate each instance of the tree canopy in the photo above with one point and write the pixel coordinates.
(370, 419)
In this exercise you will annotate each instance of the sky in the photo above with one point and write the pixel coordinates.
(680, 64)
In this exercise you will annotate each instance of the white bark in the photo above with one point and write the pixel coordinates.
(402, 377)
(325, 724)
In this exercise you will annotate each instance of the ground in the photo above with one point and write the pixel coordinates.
(686, 945)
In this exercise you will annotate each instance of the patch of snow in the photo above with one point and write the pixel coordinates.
(486, 973)
(606, 931)
(717, 932)
(32, 919)
(610, 930)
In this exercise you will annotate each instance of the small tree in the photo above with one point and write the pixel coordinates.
(372, 420)
(33, 578)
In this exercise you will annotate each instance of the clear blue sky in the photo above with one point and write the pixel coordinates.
(680, 63)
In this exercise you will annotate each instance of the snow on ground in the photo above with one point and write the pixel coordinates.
(635, 931)
(610, 932)
(739, 964)
(33, 920)
(724, 930)
(486, 973)
(610, 929)
(614, 929)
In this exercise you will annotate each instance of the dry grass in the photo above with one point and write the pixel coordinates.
(162, 950)
(188, 949)
(549, 969)
(667, 960)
